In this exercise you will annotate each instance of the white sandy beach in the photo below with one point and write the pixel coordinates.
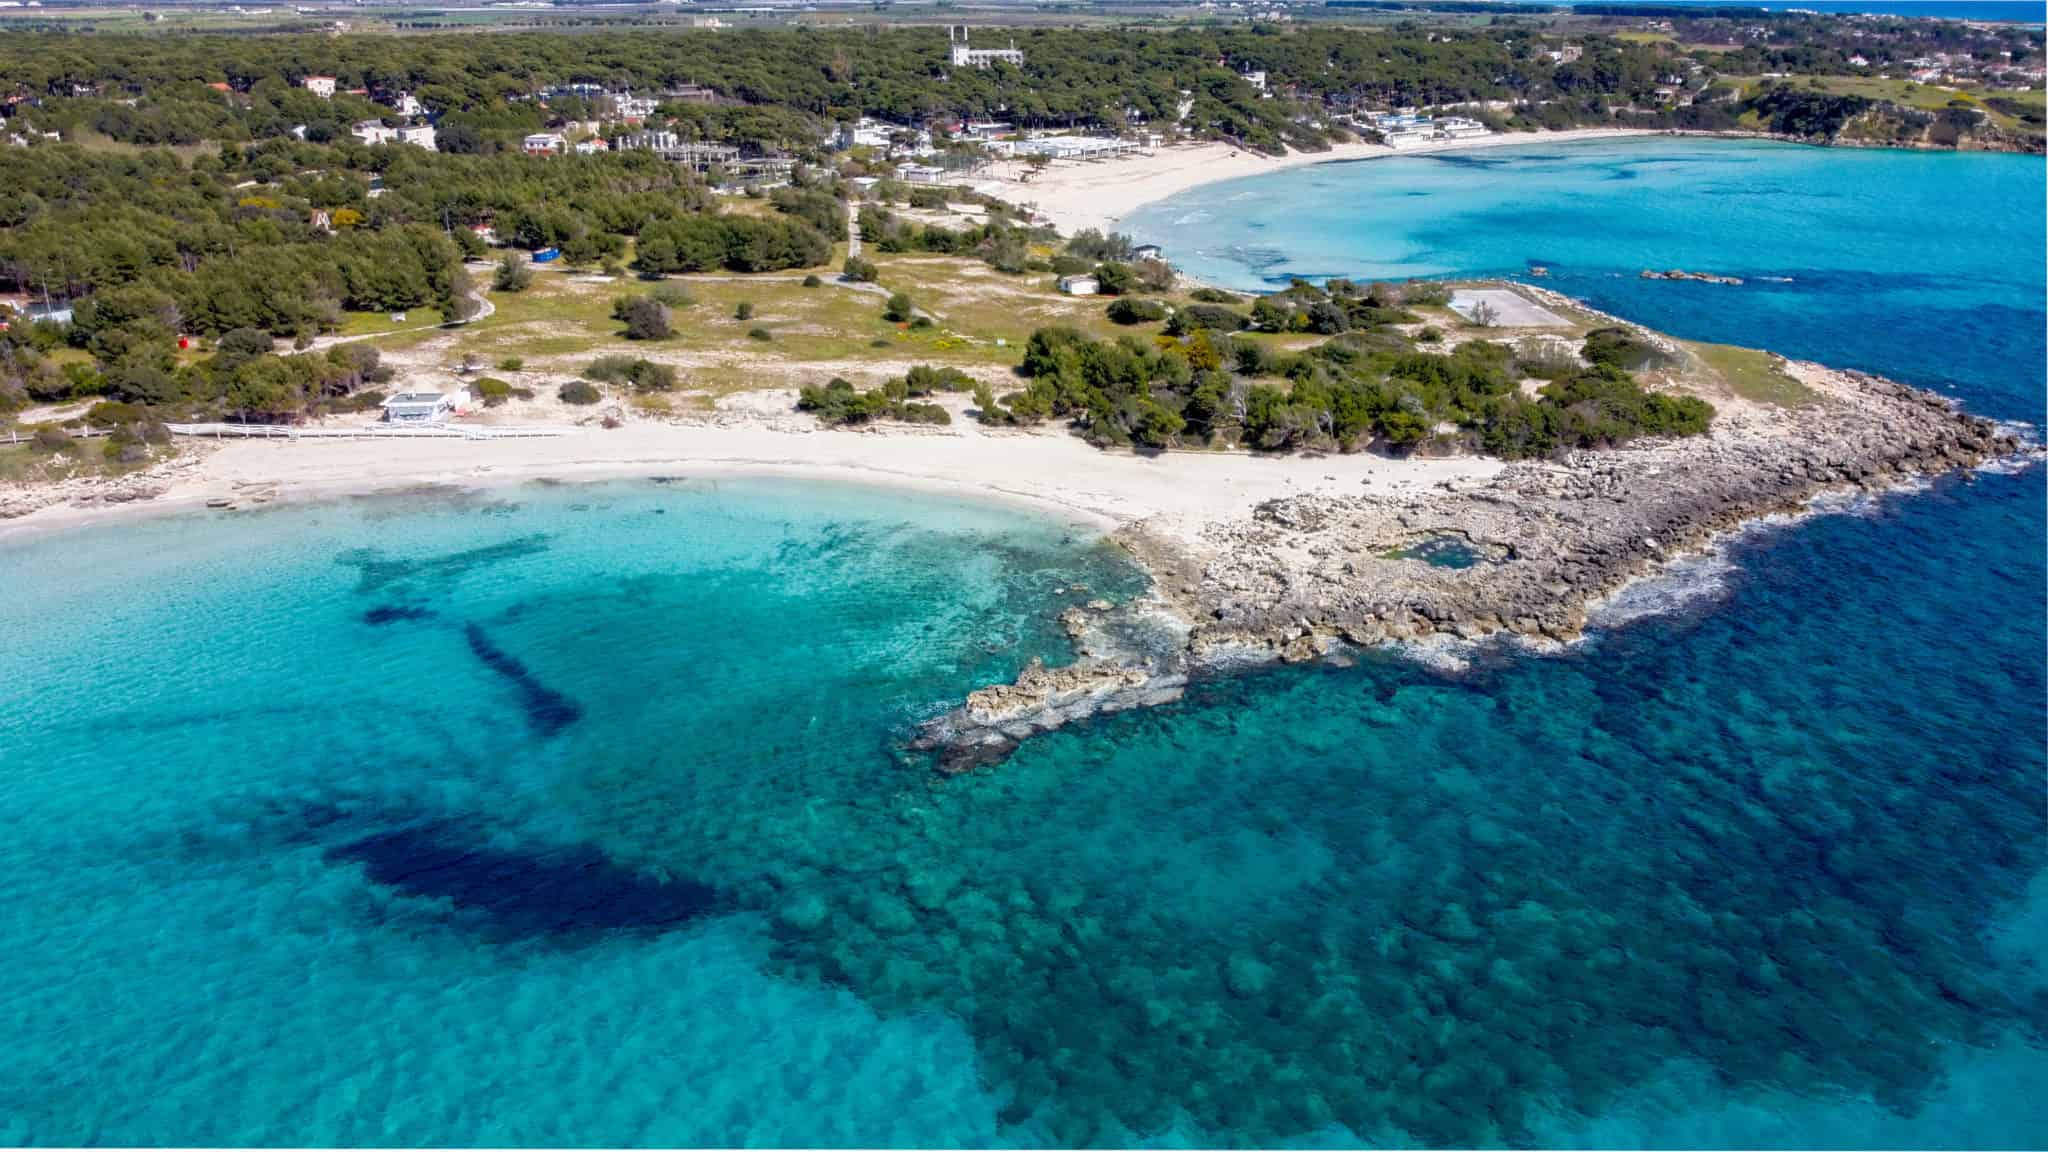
(1177, 492)
(1098, 194)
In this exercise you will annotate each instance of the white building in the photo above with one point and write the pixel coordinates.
(419, 136)
(1065, 147)
(373, 132)
(1256, 79)
(408, 105)
(1459, 128)
(1564, 55)
(966, 57)
(920, 174)
(868, 132)
(631, 107)
(543, 144)
(1080, 285)
(419, 407)
(594, 144)
(321, 86)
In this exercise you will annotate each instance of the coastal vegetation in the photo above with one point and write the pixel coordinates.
(172, 192)
(1197, 385)
(839, 403)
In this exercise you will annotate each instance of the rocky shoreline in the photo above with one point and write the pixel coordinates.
(1525, 553)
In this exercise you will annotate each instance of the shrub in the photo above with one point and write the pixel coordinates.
(240, 346)
(513, 275)
(920, 321)
(50, 438)
(923, 380)
(744, 310)
(671, 295)
(899, 308)
(911, 412)
(639, 374)
(645, 318)
(511, 363)
(1130, 311)
(1070, 265)
(1430, 334)
(1214, 296)
(858, 270)
(1621, 348)
(491, 390)
(1153, 275)
(1252, 358)
(1097, 245)
(1420, 292)
(840, 403)
(812, 281)
(1114, 279)
(579, 392)
(760, 334)
(1213, 316)
(120, 449)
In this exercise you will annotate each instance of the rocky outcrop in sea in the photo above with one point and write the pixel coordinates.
(1524, 553)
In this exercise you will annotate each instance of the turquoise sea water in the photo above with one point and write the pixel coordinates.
(577, 815)
(1930, 267)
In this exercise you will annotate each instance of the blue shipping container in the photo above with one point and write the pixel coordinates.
(546, 254)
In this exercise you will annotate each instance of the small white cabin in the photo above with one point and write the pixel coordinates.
(419, 407)
(1080, 285)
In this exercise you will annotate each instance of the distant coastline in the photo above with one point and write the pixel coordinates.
(1102, 194)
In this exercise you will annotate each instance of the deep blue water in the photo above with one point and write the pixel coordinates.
(577, 815)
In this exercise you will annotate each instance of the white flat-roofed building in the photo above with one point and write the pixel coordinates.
(419, 136)
(420, 407)
(543, 144)
(966, 57)
(321, 86)
(1460, 128)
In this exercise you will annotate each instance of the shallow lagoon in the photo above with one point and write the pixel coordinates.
(576, 815)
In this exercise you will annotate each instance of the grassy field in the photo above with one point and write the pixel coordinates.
(378, 323)
(1750, 374)
(981, 319)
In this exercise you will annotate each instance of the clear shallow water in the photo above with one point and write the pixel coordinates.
(573, 815)
(1930, 267)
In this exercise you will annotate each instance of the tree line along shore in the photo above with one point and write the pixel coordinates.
(196, 248)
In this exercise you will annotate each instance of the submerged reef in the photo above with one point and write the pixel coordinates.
(547, 711)
(566, 891)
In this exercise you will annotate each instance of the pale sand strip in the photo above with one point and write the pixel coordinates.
(1178, 492)
(1099, 194)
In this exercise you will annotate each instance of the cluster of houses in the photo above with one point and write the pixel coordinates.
(1409, 126)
